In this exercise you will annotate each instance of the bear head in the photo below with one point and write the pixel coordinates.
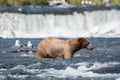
(84, 43)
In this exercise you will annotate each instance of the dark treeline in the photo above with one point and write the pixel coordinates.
(23, 2)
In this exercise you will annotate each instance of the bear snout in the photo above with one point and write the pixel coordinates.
(90, 47)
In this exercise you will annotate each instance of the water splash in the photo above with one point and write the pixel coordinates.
(89, 24)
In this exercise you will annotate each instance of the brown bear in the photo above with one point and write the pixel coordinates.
(56, 48)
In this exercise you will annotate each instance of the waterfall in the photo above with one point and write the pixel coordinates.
(87, 24)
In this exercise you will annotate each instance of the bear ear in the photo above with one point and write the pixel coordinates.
(80, 39)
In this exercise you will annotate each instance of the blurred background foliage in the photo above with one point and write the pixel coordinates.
(78, 2)
(46, 2)
(23, 2)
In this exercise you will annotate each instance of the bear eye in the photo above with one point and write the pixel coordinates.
(87, 43)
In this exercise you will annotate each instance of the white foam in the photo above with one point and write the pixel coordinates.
(98, 65)
(2, 69)
(24, 55)
(72, 72)
(118, 78)
(36, 64)
(2, 77)
(17, 76)
(19, 67)
(29, 54)
(25, 69)
(83, 70)
(89, 24)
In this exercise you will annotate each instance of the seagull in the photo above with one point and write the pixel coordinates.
(29, 44)
(17, 44)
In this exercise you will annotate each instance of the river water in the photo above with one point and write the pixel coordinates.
(102, 63)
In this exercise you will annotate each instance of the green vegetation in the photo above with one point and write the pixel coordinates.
(45, 2)
(75, 2)
(11, 2)
(78, 2)
(39, 2)
(23, 2)
(111, 1)
(3, 2)
(97, 1)
(115, 1)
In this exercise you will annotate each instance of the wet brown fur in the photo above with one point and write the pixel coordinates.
(56, 48)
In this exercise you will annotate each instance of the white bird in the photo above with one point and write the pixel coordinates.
(29, 44)
(17, 44)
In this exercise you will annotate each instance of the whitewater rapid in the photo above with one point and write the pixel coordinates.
(82, 70)
(87, 24)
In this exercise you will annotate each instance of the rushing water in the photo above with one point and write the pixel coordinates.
(102, 63)
(88, 24)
